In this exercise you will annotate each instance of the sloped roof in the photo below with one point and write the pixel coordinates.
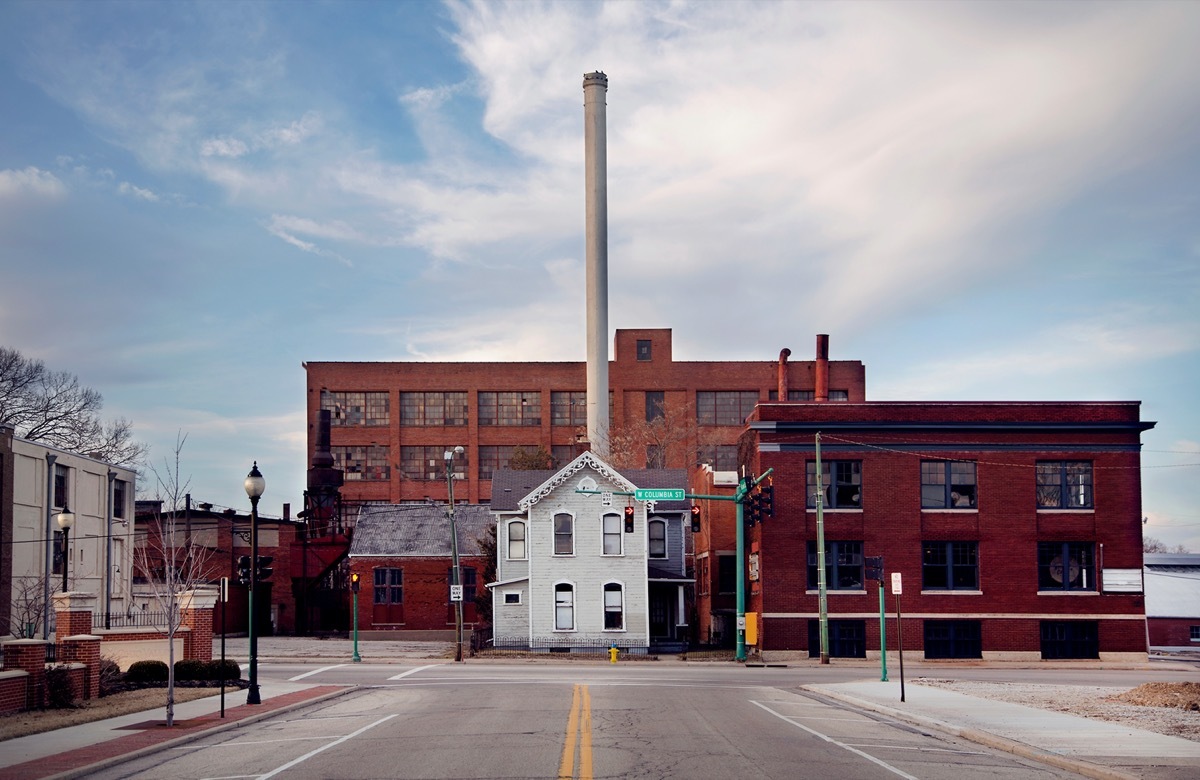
(1172, 583)
(418, 530)
(509, 487)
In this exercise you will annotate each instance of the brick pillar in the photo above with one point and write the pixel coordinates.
(73, 614)
(29, 655)
(84, 649)
(196, 613)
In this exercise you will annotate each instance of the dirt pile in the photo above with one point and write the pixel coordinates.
(1183, 696)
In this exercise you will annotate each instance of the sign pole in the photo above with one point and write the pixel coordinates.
(896, 590)
(224, 601)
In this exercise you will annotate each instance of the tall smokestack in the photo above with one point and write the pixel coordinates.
(595, 144)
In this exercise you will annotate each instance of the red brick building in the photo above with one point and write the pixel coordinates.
(393, 421)
(1016, 528)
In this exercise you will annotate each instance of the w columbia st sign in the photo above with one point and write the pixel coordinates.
(658, 494)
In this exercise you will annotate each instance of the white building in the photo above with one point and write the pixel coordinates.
(37, 483)
(575, 571)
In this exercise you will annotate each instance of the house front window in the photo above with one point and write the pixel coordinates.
(614, 607)
(564, 607)
(516, 541)
(658, 539)
(612, 534)
(564, 534)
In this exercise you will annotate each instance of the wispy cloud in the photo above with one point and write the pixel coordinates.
(30, 182)
(125, 188)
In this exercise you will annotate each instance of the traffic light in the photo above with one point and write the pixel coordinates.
(767, 499)
(695, 518)
(354, 582)
(750, 512)
(874, 567)
(243, 570)
(628, 519)
(262, 568)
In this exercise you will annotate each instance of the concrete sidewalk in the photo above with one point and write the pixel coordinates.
(1089, 747)
(76, 750)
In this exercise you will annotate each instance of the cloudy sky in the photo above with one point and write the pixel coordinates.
(980, 201)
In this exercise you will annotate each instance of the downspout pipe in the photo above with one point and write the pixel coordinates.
(108, 564)
(50, 459)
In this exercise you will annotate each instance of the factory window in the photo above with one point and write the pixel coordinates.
(1070, 639)
(429, 462)
(643, 349)
(950, 566)
(792, 395)
(362, 462)
(722, 457)
(947, 484)
(847, 638)
(953, 639)
(1064, 484)
(356, 408)
(568, 408)
(839, 395)
(656, 404)
(1066, 566)
(841, 484)
(495, 457)
(724, 407)
(433, 408)
(843, 565)
(510, 408)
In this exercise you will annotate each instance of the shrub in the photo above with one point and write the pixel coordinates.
(111, 679)
(58, 688)
(147, 671)
(223, 670)
(191, 669)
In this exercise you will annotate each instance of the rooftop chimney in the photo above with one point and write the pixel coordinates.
(822, 390)
(781, 380)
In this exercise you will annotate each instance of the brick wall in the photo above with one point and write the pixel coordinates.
(426, 605)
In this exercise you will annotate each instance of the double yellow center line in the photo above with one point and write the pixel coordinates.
(579, 730)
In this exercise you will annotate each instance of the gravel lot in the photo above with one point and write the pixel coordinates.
(1089, 702)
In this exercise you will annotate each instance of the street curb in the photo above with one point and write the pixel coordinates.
(217, 728)
(1077, 765)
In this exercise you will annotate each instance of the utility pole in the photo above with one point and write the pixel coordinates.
(456, 576)
(822, 590)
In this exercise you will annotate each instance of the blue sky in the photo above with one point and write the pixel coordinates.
(979, 201)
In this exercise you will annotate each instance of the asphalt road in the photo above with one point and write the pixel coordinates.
(572, 721)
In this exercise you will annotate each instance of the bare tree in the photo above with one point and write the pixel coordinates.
(671, 437)
(170, 560)
(52, 407)
(1152, 545)
(28, 605)
(530, 460)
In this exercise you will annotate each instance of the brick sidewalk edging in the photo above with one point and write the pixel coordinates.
(85, 760)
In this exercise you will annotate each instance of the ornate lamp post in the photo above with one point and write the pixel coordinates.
(255, 486)
(66, 520)
(456, 578)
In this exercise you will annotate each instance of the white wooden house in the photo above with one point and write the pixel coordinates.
(575, 572)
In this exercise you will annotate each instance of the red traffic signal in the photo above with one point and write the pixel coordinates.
(629, 519)
(695, 518)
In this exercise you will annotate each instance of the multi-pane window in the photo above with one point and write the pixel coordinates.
(1064, 484)
(564, 607)
(950, 566)
(1194, 633)
(614, 607)
(612, 534)
(356, 408)
(643, 349)
(433, 408)
(61, 495)
(1070, 639)
(516, 540)
(568, 408)
(847, 638)
(839, 395)
(468, 582)
(562, 454)
(722, 457)
(656, 404)
(564, 534)
(120, 496)
(658, 538)
(724, 407)
(953, 639)
(510, 408)
(494, 457)
(1066, 566)
(792, 395)
(362, 462)
(389, 586)
(947, 484)
(843, 565)
(841, 483)
(428, 462)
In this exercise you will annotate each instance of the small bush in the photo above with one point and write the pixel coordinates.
(147, 671)
(191, 669)
(58, 688)
(227, 670)
(111, 679)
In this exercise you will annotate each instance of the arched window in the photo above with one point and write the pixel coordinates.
(564, 535)
(614, 607)
(564, 607)
(516, 540)
(612, 534)
(658, 538)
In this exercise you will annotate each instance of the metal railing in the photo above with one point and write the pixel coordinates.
(137, 619)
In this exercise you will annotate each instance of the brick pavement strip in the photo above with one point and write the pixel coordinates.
(156, 735)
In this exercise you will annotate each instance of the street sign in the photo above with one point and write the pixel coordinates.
(658, 494)
(456, 592)
(895, 583)
(224, 593)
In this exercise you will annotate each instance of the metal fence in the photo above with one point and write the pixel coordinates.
(136, 619)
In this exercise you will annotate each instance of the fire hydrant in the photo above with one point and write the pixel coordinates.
(612, 654)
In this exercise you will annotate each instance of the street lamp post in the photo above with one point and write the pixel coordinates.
(456, 577)
(255, 486)
(66, 519)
